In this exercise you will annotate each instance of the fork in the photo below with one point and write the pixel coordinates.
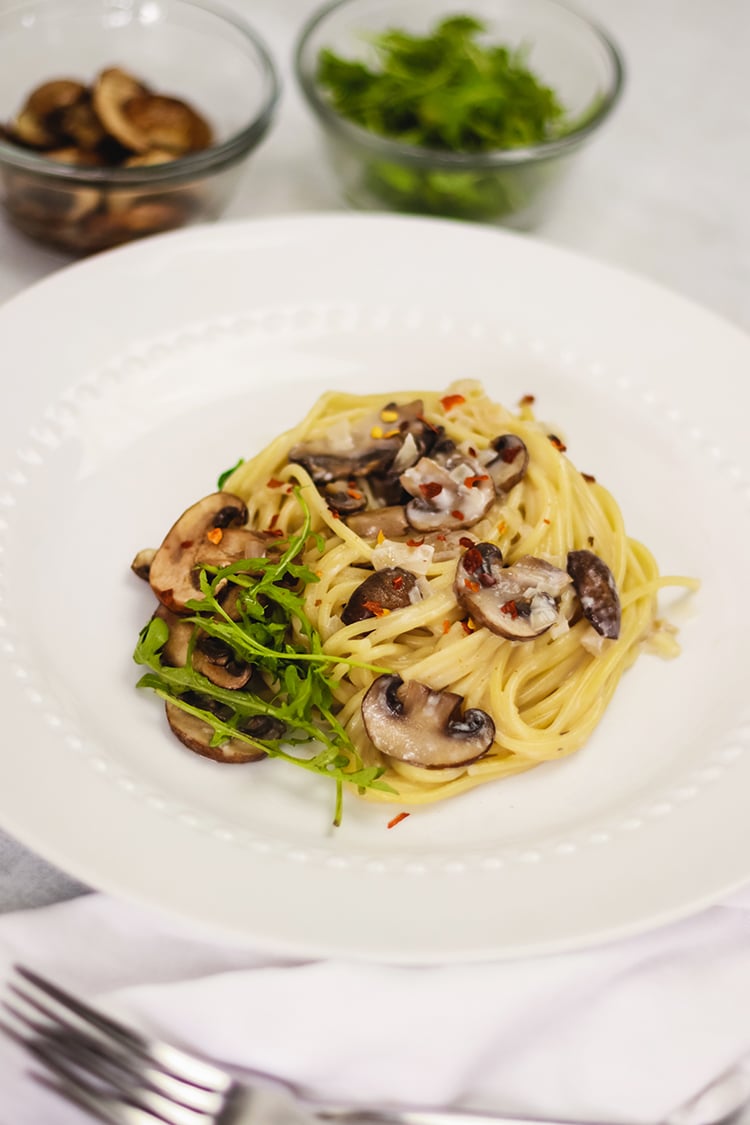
(122, 1077)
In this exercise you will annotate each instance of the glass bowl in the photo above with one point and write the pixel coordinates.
(186, 49)
(511, 186)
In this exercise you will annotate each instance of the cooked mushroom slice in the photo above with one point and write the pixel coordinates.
(147, 159)
(177, 645)
(167, 123)
(73, 155)
(217, 662)
(207, 534)
(447, 494)
(411, 722)
(197, 734)
(518, 602)
(595, 585)
(32, 130)
(344, 496)
(113, 89)
(509, 465)
(391, 521)
(55, 96)
(324, 465)
(81, 124)
(141, 564)
(387, 589)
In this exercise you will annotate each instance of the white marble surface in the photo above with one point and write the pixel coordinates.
(663, 192)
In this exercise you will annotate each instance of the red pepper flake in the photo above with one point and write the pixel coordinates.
(510, 608)
(318, 601)
(273, 521)
(557, 443)
(545, 521)
(414, 542)
(471, 482)
(276, 532)
(215, 535)
(289, 489)
(398, 582)
(527, 400)
(336, 515)
(502, 527)
(450, 401)
(376, 609)
(441, 537)
(397, 819)
(468, 626)
(446, 626)
(588, 477)
(354, 493)
(473, 586)
(274, 483)
(431, 489)
(465, 541)
(473, 560)
(457, 515)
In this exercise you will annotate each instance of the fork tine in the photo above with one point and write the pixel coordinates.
(113, 1063)
(123, 1075)
(170, 1060)
(110, 1115)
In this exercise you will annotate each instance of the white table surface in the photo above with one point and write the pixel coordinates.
(663, 192)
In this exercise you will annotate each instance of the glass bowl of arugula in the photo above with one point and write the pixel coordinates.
(471, 114)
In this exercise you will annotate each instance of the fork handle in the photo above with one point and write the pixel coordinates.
(396, 1116)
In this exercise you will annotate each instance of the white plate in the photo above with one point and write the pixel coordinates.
(133, 378)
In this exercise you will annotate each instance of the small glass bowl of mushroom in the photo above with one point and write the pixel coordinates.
(123, 118)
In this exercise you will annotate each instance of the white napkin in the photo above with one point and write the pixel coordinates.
(620, 1033)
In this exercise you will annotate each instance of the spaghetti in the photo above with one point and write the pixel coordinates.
(423, 491)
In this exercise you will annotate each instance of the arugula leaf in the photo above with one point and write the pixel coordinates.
(298, 692)
(448, 91)
(224, 477)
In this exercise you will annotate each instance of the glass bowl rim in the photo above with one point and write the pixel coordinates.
(218, 156)
(388, 148)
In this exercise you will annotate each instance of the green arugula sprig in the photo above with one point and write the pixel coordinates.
(448, 91)
(274, 635)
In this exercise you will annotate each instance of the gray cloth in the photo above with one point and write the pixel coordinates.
(26, 880)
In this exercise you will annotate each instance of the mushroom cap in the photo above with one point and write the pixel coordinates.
(509, 465)
(387, 589)
(166, 123)
(112, 91)
(391, 521)
(187, 547)
(447, 494)
(55, 95)
(412, 723)
(196, 734)
(518, 602)
(597, 592)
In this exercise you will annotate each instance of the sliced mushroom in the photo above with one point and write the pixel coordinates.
(177, 645)
(509, 465)
(344, 496)
(209, 533)
(387, 589)
(166, 123)
(141, 564)
(324, 465)
(217, 662)
(452, 492)
(112, 91)
(391, 521)
(55, 96)
(597, 592)
(32, 130)
(518, 602)
(414, 724)
(81, 124)
(148, 159)
(197, 735)
(73, 155)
